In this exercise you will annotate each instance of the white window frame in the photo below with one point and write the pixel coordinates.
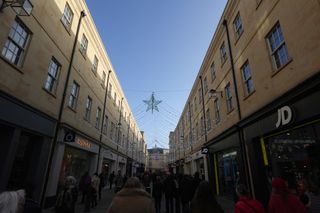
(67, 16)
(98, 117)
(246, 80)
(229, 98)
(17, 43)
(213, 71)
(223, 53)
(238, 27)
(276, 32)
(84, 45)
(95, 64)
(217, 110)
(51, 82)
(73, 99)
(88, 108)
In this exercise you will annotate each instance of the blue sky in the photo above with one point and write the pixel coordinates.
(156, 46)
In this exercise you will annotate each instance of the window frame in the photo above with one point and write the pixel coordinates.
(98, 118)
(238, 30)
(245, 81)
(213, 71)
(65, 21)
(273, 52)
(54, 83)
(105, 125)
(74, 97)
(95, 64)
(22, 49)
(229, 98)
(84, 45)
(208, 120)
(223, 53)
(217, 110)
(88, 107)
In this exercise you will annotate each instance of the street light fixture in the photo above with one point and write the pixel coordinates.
(20, 7)
(213, 93)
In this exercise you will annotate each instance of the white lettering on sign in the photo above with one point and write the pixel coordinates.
(83, 143)
(284, 116)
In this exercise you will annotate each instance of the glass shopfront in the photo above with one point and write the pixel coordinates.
(228, 172)
(295, 155)
(75, 163)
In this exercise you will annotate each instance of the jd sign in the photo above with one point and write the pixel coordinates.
(284, 116)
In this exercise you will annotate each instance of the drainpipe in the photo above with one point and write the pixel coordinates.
(240, 130)
(54, 143)
(103, 120)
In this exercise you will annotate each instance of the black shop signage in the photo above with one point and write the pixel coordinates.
(69, 136)
(204, 150)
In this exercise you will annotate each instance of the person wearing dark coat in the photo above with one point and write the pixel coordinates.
(169, 191)
(186, 192)
(157, 193)
(102, 183)
(196, 181)
(111, 177)
(204, 200)
(245, 203)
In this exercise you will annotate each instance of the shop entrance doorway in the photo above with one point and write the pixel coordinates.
(228, 173)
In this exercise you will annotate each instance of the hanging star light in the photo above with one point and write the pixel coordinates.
(152, 103)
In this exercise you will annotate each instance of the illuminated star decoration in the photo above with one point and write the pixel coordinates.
(152, 103)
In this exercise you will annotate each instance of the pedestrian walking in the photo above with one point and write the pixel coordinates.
(95, 183)
(12, 201)
(245, 203)
(204, 200)
(111, 177)
(282, 201)
(176, 195)
(169, 191)
(30, 206)
(146, 181)
(67, 196)
(157, 193)
(186, 192)
(132, 198)
(118, 181)
(102, 183)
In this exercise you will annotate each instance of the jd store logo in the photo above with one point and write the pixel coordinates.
(285, 116)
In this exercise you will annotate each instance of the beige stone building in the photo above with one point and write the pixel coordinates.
(54, 118)
(254, 105)
(157, 159)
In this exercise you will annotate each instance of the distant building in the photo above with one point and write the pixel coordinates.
(157, 159)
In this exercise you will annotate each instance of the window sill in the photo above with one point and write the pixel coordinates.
(94, 72)
(67, 28)
(50, 93)
(231, 110)
(248, 95)
(258, 4)
(84, 54)
(12, 65)
(72, 109)
(223, 62)
(238, 37)
(281, 68)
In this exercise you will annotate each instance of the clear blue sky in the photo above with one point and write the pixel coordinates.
(156, 45)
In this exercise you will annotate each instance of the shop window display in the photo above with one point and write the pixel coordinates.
(75, 163)
(295, 156)
(228, 173)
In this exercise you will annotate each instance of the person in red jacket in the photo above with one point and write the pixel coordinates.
(282, 201)
(245, 203)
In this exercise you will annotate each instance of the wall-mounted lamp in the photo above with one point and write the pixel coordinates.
(20, 7)
(213, 93)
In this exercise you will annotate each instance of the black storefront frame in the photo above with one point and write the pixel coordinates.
(303, 101)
